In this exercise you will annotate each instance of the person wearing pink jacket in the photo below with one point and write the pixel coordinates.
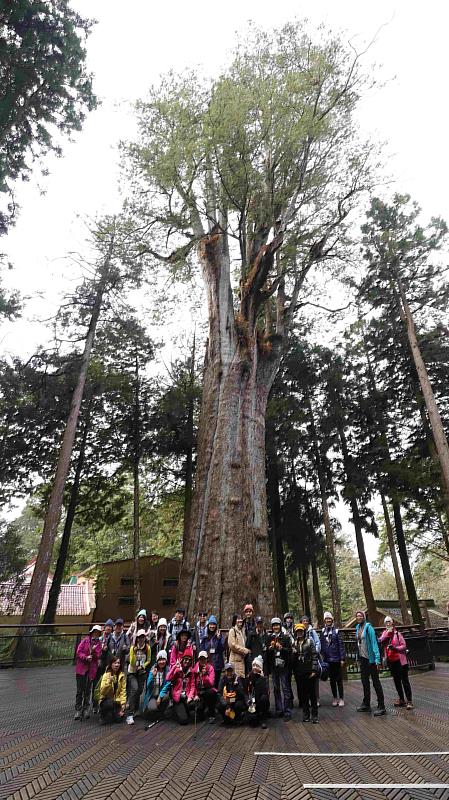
(205, 691)
(182, 642)
(396, 657)
(88, 655)
(183, 691)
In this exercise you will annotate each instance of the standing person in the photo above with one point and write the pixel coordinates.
(118, 644)
(279, 650)
(289, 625)
(369, 657)
(214, 645)
(231, 696)
(182, 683)
(140, 623)
(104, 639)
(199, 631)
(257, 693)
(163, 640)
(395, 652)
(205, 692)
(112, 692)
(249, 622)
(256, 644)
(237, 645)
(139, 662)
(177, 650)
(178, 623)
(333, 652)
(305, 667)
(312, 634)
(88, 655)
(157, 692)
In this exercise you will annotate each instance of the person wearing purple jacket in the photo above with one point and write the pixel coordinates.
(214, 645)
(88, 655)
(333, 652)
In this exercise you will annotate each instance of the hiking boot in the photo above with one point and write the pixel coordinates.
(335, 702)
(364, 708)
(315, 720)
(77, 716)
(306, 718)
(399, 703)
(130, 719)
(409, 704)
(86, 714)
(263, 725)
(211, 720)
(341, 702)
(379, 712)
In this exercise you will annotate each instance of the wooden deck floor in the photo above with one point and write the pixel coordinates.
(44, 754)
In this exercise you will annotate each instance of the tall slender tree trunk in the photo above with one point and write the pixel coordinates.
(394, 560)
(357, 522)
(36, 591)
(55, 589)
(305, 583)
(405, 563)
(317, 592)
(330, 543)
(274, 506)
(436, 423)
(226, 558)
(188, 465)
(136, 488)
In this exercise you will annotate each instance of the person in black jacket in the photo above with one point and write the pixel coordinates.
(257, 693)
(279, 650)
(305, 668)
(231, 696)
(256, 644)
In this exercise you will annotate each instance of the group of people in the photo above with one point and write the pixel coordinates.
(195, 671)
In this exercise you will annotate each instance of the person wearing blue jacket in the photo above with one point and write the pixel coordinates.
(333, 652)
(369, 657)
(214, 644)
(157, 696)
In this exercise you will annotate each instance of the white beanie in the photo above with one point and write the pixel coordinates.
(161, 654)
(328, 615)
(258, 661)
(202, 654)
(388, 619)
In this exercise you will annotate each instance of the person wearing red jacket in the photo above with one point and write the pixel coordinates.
(395, 652)
(182, 680)
(205, 691)
(88, 655)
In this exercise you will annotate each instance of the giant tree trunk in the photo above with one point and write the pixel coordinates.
(394, 560)
(357, 522)
(188, 465)
(136, 488)
(226, 558)
(36, 591)
(330, 543)
(55, 589)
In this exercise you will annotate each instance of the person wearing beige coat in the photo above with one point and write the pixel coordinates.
(237, 648)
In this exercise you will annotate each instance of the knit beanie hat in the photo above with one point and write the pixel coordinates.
(328, 615)
(276, 621)
(388, 619)
(161, 654)
(258, 662)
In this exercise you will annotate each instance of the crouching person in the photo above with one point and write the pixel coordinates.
(257, 697)
(87, 659)
(305, 669)
(231, 696)
(112, 693)
(157, 693)
(139, 662)
(182, 682)
(205, 691)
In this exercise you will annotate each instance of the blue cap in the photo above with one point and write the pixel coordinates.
(109, 622)
(119, 621)
(212, 620)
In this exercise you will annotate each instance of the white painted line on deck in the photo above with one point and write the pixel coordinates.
(390, 754)
(376, 785)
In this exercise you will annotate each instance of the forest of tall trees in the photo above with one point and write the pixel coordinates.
(304, 409)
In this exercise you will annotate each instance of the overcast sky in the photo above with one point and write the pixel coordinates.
(136, 40)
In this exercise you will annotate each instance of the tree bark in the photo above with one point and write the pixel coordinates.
(405, 563)
(305, 583)
(317, 593)
(357, 522)
(188, 466)
(394, 560)
(36, 591)
(436, 423)
(136, 488)
(55, 589)
(274, 506)
(330, 543)
(226, 557)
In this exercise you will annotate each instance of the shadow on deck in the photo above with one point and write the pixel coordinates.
(44, 754)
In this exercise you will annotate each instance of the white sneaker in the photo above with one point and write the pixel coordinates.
(130, 719)
(341, 702)
(335, 702)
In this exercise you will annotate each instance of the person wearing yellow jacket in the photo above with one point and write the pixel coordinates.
(112, 692)
(139, 664)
